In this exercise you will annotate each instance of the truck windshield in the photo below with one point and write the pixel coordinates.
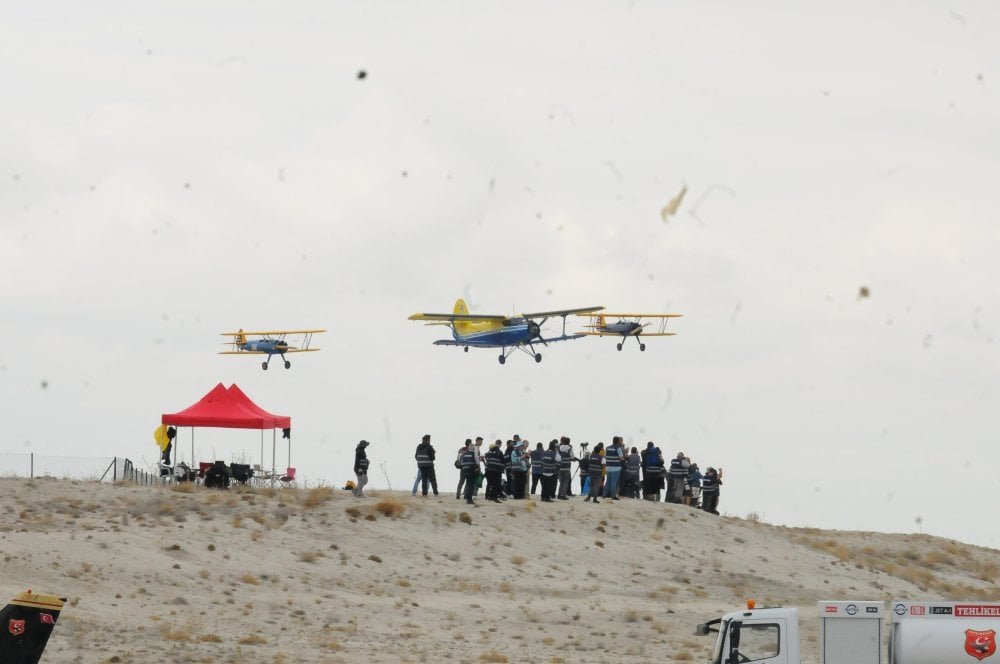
(717, 651)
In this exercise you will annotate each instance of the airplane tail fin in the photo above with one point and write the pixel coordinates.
(25, 626)
(461, 309)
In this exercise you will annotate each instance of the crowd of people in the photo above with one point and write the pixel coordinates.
(607, 471)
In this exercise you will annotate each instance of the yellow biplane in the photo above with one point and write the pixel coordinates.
(628, 325)
(269, 343)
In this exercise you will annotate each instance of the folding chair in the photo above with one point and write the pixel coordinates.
(288, 477)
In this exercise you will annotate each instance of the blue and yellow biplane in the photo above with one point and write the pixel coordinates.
(270, 343)
(509, 333)
(628, 325)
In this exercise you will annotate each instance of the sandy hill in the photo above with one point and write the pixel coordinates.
(288, 575)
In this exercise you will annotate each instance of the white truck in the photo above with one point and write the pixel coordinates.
(851, 633)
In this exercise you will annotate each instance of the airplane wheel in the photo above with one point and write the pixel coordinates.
(642, 346)
(288, 365)
(502, 359)
(263, 365)
(538, 357)
(466, 349)
(619, 346)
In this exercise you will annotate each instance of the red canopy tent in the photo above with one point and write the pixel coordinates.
(231, 408)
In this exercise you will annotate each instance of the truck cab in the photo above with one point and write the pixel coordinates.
(768, 636)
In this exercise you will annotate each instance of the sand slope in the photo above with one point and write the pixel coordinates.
(320, 576)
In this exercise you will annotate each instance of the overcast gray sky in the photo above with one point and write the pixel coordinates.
(172, 172)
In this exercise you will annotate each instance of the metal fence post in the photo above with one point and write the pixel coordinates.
(32, 471)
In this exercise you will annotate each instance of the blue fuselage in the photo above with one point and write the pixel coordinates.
(510, 335)
(268, 346)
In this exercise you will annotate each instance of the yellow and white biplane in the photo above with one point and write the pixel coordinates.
(269, 343)
(628, 325)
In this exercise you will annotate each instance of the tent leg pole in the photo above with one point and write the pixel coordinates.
(193, 464)
(263, 464)
(274, 444)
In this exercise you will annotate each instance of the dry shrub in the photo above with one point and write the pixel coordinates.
(518, 560)
(353, 512)
(183, 487)
(210, 638)
(492, 656)
(310, 556)
(505, 587)
(465, 518)
(391, 507)
(253, 640)
(374, 558)
(250, 578)
(168, 632)
(318, 496)
(335, 646)
(683, 656)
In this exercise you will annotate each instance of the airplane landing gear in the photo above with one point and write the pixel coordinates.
(501, 359)
(642, 346)
(538, 357)
(288, 365)
(619, 346)
(263, 365)
(466, 349)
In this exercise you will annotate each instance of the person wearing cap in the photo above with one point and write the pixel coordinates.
(550, 472)
(360, 468)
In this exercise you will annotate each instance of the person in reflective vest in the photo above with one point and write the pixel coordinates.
(550, 472)
(613, 458)
(583, 463)
(565, 468)
(494, 472)
(692, 497)
(632, 465)
(595, 466)
(653, 473)
(470, 468)
(710, 484)
(519, 469)
(675, 478)
(508, 483)
(360, 468)
(458, 464)
(425, 464)
(536, 466)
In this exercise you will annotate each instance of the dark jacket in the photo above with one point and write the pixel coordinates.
(424, 455)
(360, 460)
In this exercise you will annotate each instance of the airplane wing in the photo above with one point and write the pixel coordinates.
(565, 337)
(27, 623)
(242, 352)
(658, 334)
(449, 342)
(468, 318)
(247, 332)
(562, 312)
(300, 350)
(609, 315)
